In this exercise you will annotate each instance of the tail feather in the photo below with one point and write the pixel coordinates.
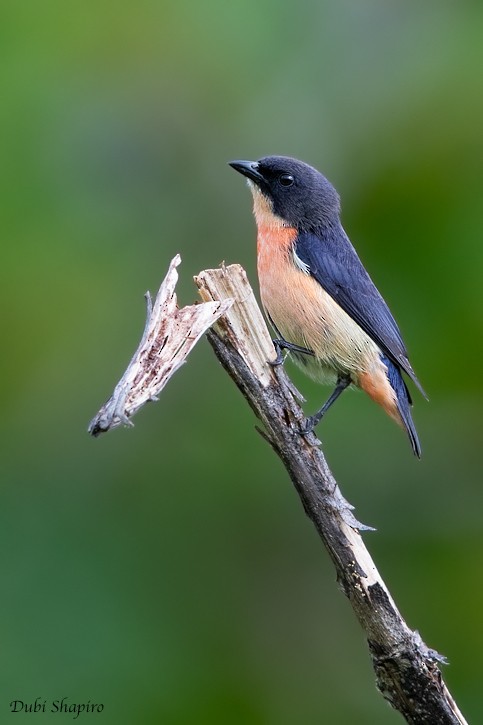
(403, 400)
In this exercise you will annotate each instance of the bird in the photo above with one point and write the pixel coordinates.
(317, 295)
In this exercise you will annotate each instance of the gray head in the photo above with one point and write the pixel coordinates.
(297, 193)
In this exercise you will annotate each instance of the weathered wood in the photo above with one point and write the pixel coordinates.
(407, 672)
(169, 336)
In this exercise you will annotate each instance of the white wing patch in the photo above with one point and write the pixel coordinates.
(299, 263)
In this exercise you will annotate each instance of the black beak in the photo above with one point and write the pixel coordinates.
(248, 169)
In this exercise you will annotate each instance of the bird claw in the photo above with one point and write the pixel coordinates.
(308, 425)
(279, 360)
(280, 344)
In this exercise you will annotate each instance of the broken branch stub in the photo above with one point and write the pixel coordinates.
(169, 336)
(247, 326)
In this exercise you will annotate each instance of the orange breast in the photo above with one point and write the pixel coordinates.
(304, 313)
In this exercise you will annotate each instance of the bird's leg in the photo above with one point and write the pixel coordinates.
(343, 382)
(281, 344)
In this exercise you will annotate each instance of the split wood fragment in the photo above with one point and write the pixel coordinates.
(169, 336)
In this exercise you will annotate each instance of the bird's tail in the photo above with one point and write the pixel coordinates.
(404, 402)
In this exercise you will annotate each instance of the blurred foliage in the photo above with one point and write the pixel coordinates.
(168, 571)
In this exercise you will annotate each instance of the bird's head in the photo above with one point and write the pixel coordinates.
(290, 193)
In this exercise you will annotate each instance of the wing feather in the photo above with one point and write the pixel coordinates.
(333, 262)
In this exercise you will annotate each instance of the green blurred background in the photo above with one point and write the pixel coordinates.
(168, 571)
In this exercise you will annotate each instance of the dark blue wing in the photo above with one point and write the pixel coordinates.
(333, 262)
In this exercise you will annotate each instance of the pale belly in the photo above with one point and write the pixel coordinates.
(304, 314)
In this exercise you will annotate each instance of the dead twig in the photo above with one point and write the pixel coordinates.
(169, 336)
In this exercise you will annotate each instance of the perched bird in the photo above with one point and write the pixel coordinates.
(317, 294)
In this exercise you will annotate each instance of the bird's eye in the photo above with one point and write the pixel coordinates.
(286, 179)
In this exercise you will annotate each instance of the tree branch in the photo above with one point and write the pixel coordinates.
(407, 672)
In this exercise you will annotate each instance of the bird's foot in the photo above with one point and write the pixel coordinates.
(309, 424)
(279, 360)
(343, 382)
(281, 344)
